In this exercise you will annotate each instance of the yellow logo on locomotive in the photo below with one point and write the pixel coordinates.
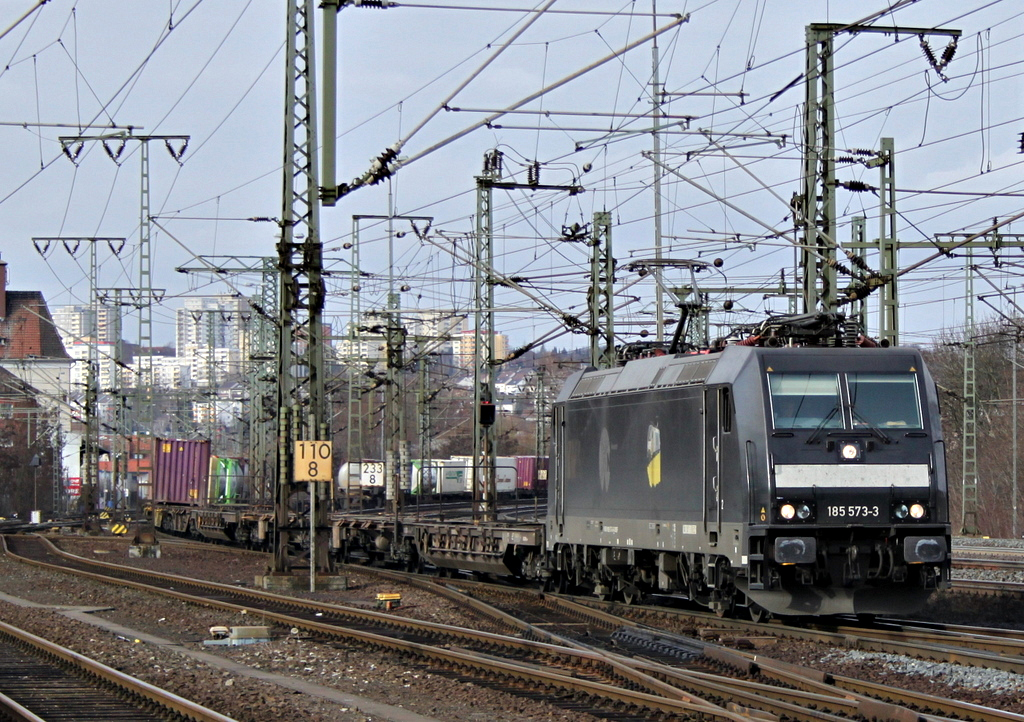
(653, 455)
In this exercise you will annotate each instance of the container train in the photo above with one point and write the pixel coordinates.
(798, 471)
(795, 472)
(452, 478)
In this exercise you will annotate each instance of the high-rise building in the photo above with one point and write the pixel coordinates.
(217, 321)
(77, 324)
(212, 336)
(464, 348)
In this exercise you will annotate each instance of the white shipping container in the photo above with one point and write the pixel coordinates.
(457, 475)
(504, 473)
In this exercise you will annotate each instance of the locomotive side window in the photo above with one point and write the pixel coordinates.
(724, 410)
(805, 401)
(885, 400)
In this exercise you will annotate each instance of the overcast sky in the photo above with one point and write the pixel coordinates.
(215, 71)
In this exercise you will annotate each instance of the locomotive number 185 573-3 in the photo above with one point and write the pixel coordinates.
(852, 511)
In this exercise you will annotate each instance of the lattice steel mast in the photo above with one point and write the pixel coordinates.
(300, 359)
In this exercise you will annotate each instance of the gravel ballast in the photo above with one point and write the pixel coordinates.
(373, 676)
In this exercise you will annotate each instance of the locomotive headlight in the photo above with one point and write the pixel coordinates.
(787, 511)
(900, 511)
(917, 511)
(803, 512)
(849, 451)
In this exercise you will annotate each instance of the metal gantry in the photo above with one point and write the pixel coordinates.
(261, 353)
(114, 144)
(815, 206)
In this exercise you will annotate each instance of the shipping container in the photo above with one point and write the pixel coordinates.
(454, 473)
(504, 474)
(532, 474)
(180, 471)
(229, 481)
(426, 478)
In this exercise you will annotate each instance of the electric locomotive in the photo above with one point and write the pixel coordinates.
(788, 477)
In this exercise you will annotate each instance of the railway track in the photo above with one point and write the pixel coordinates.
(584, 680)
(593, 657)
(41, 682)
(600, 625)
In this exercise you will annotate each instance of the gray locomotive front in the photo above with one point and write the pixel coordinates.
(767, 478)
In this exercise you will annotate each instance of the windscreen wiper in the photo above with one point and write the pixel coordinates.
(885, 438)
(813, 438)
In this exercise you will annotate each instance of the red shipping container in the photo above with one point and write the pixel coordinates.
(532, 473)
(180, 471)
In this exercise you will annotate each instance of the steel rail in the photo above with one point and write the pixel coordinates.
(135, 688)
(803, 687)
(14, 711)
(976, 563)
(542, 675)
(872, 699)
(840, 695)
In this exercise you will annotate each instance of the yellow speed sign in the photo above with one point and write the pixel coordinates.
(313, 461)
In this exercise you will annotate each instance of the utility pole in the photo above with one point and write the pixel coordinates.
(395, 444)
(994, 241)
(263, 383)
(301, 413)
(656, 101)
(858, 241)
(484, 454)
(485, 414)
(91, 443)
(888, 265)
(969, 508)
(602, 293)
(121, 448)
(425, 396)
(541, 410)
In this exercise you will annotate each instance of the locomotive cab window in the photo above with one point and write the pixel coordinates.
(805, 401)
(885, 400)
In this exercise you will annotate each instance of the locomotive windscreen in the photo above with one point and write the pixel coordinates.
(813, 400)
(885, 400)
(805, 401)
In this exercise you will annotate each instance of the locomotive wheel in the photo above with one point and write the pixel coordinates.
(758, 613)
